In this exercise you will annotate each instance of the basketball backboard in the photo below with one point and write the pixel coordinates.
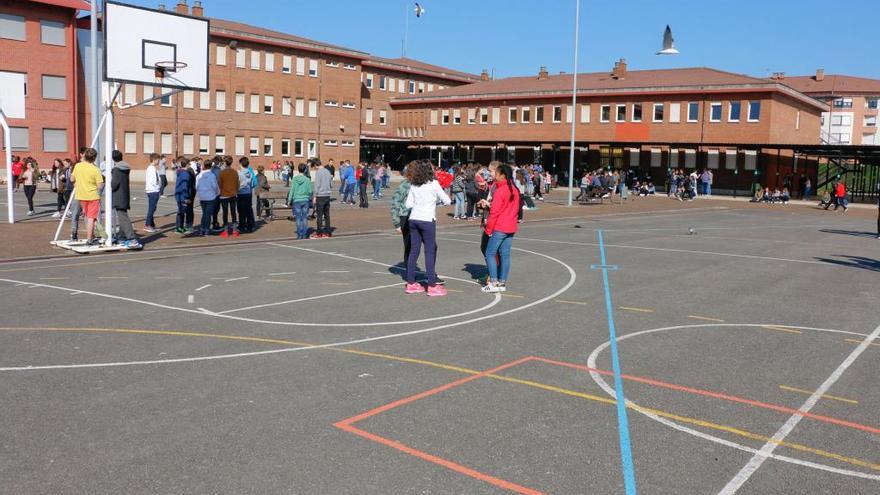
(12, 86)
(155, 47)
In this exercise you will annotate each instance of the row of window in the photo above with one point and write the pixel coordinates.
(12, 27)
(623, 112)
(870, 103)
(368, 116)
(54, 140)
(193, 144)
(53, 87)
(392, 85)
(266, 62)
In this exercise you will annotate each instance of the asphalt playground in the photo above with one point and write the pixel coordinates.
(746, 351)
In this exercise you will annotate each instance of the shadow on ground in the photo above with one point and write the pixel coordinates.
(854, 262)
(854, 233)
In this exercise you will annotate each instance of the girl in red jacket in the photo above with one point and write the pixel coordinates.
(500, 228)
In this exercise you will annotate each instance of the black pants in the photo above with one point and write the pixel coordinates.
(363, 193)
(29, 194)
(61, 202)
(246, 222)
(126, 231)
(163, 180)
(407, 243)
(322, 211)
(229, 206)
(471, 203)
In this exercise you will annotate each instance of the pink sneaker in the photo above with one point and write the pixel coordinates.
(436, 290)
(415, 288)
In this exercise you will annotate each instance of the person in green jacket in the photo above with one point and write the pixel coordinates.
(299, 197)
(400, 214)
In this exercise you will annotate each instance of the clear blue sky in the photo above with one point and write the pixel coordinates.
(516, 37)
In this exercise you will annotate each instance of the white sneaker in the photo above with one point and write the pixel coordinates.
(490, 288)
(30, 213)
(57, 214)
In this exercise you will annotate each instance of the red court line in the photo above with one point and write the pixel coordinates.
(346, 425)
(718, 395)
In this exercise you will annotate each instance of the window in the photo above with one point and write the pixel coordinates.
(471, 116)
(871, 121)
(383, 115)
(300, 66)
(456, 116)
(285, 106)
(635, 155)
(621, 113)
(369, 81)
(656, 156)
(269, 64)
(239, 58)
(255, 60)
(148, 94)
(421, 87)
(239, 102)
(331, 103)
(52, 33)
(675, 112)
(734, 111)
(285, 147)
(348, 104)
(12, 28)
(843, 103)
(19, 138)
(444, 117)
(220, 57)
(693, 111)
(658, 112)
(383, 83)
(841, 137)
(526, 115)
(130, 140)
(204, 100)
(539, 114)
(349, 66)
(585, 114)
(255, 103)
(54, 87)
(300, 107)
(254, 146)
(130, 95)
(312, 148)
(330, 142)
(797, 121)
(496, 116)
(239, 145)
(348, 144)
(313, 68)
(166, 98)
(715, 112)
(690, 158)
(841, 120)
(219, 100)
(751, 159)
(605, 113)
(187, 144)
(569, 114)
(268, 146)
(712, 159)
(298, 147)
(220, 145)
(313, 108)
(871, 103)
(484, 116)
(204, 144)
(392, 84)
(55, 140)
(412, 87)
(188, 99)
(400, 87)
(149, 142)
(268, 104)
(433, 117)
(511, 116)
(557, 114)
(730, 159)
(165, 142)
(637, 112)
(754, 111)
(286, 63)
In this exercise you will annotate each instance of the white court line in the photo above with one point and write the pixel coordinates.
(758, 459)
(338, 271)
(234, 279)
(283, 273)
(203, 287)
(312, 298)
(557, 293)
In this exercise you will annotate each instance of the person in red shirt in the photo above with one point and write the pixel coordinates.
(17, 169)
(840, 196)
(501, 225)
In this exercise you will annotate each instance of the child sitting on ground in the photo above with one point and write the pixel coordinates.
(826, 198)
(786, 197)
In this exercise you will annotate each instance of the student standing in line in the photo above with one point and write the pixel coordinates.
(363, 184)
(422, 200)
(56, 182)
(500, 228)
(299, 197)
(228, 189)
(246, 182)
(152, 188)
(184, 192)
(119, 184)
(208, 190)
(87, 178)
(322, 187)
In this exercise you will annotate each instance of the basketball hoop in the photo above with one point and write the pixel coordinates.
(167, 66)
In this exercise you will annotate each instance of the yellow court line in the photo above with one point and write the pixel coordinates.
(572, 302)
(505, 294)
(854, 341)
(454, 290)
(705, 318)
(824, 396)
(781, 329)
(640, 310)
(551, 388)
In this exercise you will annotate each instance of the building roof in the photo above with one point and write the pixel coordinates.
(691, 80)
(833, 84)
(224, 28)
(404, 64)
(71, 4)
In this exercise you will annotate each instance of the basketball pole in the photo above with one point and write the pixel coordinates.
(108, 163)
(577, 17)
(7, 141)
(93, 50)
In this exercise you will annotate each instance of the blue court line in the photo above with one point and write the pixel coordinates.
(626, 459)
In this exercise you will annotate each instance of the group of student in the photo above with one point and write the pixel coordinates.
(767, 195)
(686, 187)
(837, 198)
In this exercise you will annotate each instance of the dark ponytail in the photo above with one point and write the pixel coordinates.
(507, 172)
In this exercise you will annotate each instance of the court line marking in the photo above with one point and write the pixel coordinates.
(626, 460)
(580, 303)
(705, 318)
(54, 278)
(759, 457)
(113, 278)
(675, 422)
(338, 271)
(235, 279)
(826, 396)
(639, 310)
(169, 278)
(517, 296)
(854, 341)
(282, 273)
(311, 298)
(286, 280)
(551, 388)
(780, 329)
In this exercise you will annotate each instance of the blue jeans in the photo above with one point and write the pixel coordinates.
(301, 214)
(152, 201)
(459, 210)
(499, 244)
(377, 185)
(348, 193)
(707, 189)
(209, 208)
(182, 206)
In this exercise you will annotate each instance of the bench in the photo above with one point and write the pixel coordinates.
(276, 199)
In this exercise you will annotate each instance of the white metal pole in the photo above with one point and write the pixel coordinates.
(574, 85)
(7, 141)
(93, 54)
(108, 164)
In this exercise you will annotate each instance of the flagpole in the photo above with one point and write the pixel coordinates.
(577, 16)
(406, 29)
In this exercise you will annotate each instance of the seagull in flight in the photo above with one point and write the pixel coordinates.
(668, 43)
